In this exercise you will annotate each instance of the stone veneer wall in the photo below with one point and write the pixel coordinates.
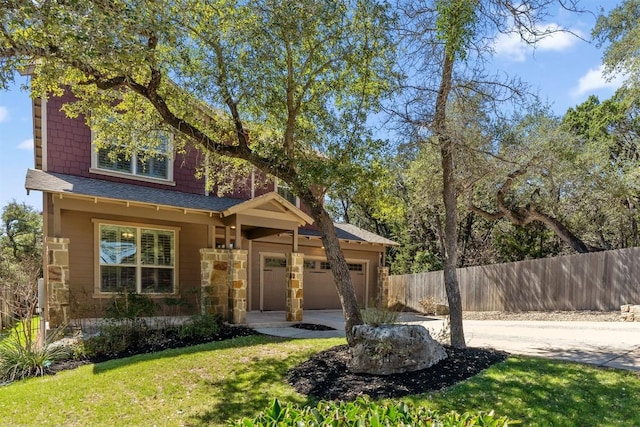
(383, 286)
(295, 269)
(224, 283)
(57, 253)
(238, 280)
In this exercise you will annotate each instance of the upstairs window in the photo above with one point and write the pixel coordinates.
(282, 188)
(154, 164)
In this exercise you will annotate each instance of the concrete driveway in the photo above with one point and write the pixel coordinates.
(607, 344)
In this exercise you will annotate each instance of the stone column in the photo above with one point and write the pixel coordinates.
(57, 277)
(238, 281)
(295, 268)
(383, 286)
(224, 283)
(214, 285)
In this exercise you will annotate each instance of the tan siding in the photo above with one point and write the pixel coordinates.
(79, 228)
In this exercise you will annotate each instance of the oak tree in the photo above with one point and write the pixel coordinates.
(282, 86)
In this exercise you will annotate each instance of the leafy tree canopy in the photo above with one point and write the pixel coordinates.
(20, 231)
(282, 86)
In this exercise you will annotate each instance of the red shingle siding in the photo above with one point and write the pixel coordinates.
(69, 152)
(66, 152)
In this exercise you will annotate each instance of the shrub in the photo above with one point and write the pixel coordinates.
(116, 337)
(21, 360)
(130, 305)
(431, 306)
(121, 337)
(379, 316)
(201, 327)
(364, 412)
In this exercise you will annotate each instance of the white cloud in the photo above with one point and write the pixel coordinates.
(4, 114)
(594, 79)
(512, 46)
(27, 144)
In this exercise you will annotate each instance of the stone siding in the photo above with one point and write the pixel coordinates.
(295, 268)
(224, 283)
(383, 287)
(57, 274)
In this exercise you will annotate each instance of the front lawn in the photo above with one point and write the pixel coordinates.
(210, 383)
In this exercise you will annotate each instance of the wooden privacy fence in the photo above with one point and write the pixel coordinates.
(593, 281)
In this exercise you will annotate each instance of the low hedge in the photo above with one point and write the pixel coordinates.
(364, 412)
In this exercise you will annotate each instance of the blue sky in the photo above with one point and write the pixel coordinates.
(564, 69)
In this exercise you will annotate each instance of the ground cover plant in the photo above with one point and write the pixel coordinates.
(213, 383)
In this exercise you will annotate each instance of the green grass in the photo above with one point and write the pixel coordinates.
(208, 384)
(18, 330)
(543, 392)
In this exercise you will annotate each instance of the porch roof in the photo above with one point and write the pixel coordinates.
(352, 233)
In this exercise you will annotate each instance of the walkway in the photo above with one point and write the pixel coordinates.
(608, 344)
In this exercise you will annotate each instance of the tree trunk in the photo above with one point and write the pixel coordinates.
(451, 247)
(449, 197)
(338, 263)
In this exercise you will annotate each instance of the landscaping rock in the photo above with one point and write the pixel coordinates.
(628, 317)
(393, 349)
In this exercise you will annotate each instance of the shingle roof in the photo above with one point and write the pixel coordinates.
(70, 184)
(61, 183)
(351, 232)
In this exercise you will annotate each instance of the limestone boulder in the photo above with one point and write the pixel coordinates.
(393, 349)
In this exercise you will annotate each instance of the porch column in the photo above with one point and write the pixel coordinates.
(295, 268)
(224, 283)
(57, 281)
(238, 281)
(383, 286)
(214, 284)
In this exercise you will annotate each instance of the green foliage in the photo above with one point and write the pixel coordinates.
(620, 34)
(364, 412)
(124, 336)
(116, 337)
(202, 327)
(374, 316)
(130, 305)
(517, 243)
(19, 359)
(456, 25)
(20, 231)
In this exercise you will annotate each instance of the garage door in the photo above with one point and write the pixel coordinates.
(319, 288)
(275, 284)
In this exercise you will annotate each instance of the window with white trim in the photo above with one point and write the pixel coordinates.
(283, 189)
(155, 164)
(136, 259)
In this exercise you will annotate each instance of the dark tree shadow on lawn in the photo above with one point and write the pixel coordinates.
(245, 341)
(243, 393)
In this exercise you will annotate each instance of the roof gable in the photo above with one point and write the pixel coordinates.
(269, 202)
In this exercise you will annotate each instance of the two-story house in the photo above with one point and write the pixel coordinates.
(147, 225)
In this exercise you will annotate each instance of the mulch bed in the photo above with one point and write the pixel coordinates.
(313, 327)
(325, 375)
